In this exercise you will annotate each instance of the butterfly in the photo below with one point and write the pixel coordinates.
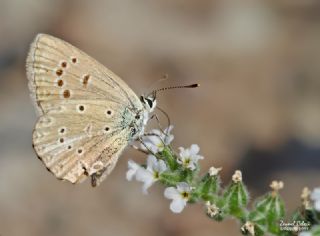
(87, 114)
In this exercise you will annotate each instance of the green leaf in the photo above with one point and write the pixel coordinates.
(307, 215)
(187, 176)
(168, 156)
(208, 186)
(236, 199)
(260, 222)
(271, 207)
(171, 178)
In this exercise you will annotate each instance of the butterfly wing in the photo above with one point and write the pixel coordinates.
(80, 103)
(57, 70)
(74, 146)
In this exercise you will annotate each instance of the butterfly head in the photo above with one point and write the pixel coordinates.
(149, 102)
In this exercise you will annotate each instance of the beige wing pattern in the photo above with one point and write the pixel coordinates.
(75, 145)
(79, 102)
(57, 70)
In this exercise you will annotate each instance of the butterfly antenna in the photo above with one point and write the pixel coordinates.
(175, 87)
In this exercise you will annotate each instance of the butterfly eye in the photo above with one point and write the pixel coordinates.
(137, 117)
(150, 102)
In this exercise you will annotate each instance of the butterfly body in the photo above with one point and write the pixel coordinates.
(87, 114)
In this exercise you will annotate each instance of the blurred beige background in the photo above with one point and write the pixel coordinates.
(258, 107)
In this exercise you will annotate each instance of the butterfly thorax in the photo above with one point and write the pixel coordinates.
(137, 118)
(134, 120)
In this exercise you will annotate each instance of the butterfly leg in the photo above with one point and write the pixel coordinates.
(153, 134)
(155, 116)
(165, 114)
(97, 177)
(139, 149)
(94, 179)
(150, 151)
(100, 175)
(147, 151)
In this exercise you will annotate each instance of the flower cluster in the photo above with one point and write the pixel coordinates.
(179, 173)
(157, 140)
(157, 168)
(148, 175)
(189, 157)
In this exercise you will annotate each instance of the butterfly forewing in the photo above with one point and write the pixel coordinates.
(81, 104)
(57, 70)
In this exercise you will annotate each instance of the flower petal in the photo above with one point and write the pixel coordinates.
(183, 187)
(191, 166)
(177, 205)
(147, 184)
(194, 149)
(156, 131)
(151, 162)
(151, 146)
(168, 137)
(133, 167)
(184, 153)
(196, 158)
(317, 205)
(130, 174)
(305, 233)
(144, 175)
(161, 166)
(315, 195)
(171, 193)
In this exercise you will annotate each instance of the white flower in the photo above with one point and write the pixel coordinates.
(315, 196)
(189, 157)
(151, 174)
(157, 142)
(133, 167)
(214, 171)
(305, 233)
(179, 195)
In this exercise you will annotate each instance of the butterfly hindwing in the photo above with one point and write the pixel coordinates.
(75, 154)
